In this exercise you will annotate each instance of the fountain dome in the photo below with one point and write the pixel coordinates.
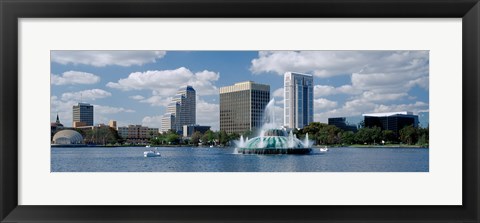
(273, 139)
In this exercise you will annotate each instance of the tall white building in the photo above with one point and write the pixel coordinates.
(181, 111)
(298, 94)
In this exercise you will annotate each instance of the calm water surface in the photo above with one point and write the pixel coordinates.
(185, 159)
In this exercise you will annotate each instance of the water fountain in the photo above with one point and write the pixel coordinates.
(273, 139)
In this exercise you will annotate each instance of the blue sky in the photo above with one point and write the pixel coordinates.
(134, 87)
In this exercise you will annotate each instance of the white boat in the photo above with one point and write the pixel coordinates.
(151, 153)
(325, 149)
(147, 146)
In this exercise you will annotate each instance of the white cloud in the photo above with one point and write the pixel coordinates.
(373, 96)
(74, 77)
(332, 63)
(165, 83)
(361, 106)
(101, 109)
(322, 104)
(86, 95)
(278, 93)
(157, 100)
(64, 110)
(106, 57)
(137, 97)
(377, 77)
(323, 90)
(152, 121)
(278, 114)
(208, 114)
(416, 107)
(326, 90)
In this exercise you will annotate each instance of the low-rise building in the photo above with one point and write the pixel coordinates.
(393, 121)
(352, 123)
(188, 130)
(137, 133)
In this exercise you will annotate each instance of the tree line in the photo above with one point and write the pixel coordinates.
(323, 134)
(208, 138)
(320, 133)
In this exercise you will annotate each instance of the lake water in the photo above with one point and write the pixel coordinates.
(185, 159)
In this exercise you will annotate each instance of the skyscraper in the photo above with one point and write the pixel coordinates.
(83, 112)
(181, 111)
(298, 94)
(242, 106)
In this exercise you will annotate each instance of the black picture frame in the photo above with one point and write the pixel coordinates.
(12, 10)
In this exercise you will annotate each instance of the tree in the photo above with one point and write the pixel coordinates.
(408, 135)
(423, 134)
(208, 137)
(321, 133)
(172, 137)
(363, 135)
(196, 136)
(248, 134)
(348, 137)
(223, 137)
(376, 134)
(101, 135)
(389, 136)
(234, 136)
(369, 135)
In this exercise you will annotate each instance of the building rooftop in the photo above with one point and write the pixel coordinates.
(297, 73)
(246, 85)
(388, 114)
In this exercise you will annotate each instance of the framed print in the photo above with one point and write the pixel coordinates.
(239, 111)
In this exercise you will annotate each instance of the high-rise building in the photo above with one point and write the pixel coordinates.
(181, 111)
(242, 106)
(298, 94)
(83, 112)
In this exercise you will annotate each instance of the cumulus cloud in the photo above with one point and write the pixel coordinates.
(376, 77)
(64, 110)
(333, 63)
(101, 109)
(152, 121)
(137, 97)
(322, 104)
(278, 93)
(360, 106)
(74, 77)
(157, 100)
(208, 114)
(106, 57)
(416, 107)
(165, 83)
(326, 90)
(91, 94)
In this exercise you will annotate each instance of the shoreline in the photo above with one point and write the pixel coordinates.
(375, 146)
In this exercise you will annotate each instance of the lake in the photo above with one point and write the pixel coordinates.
(201, 159)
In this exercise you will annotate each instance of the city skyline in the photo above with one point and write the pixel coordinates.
(135, 87)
